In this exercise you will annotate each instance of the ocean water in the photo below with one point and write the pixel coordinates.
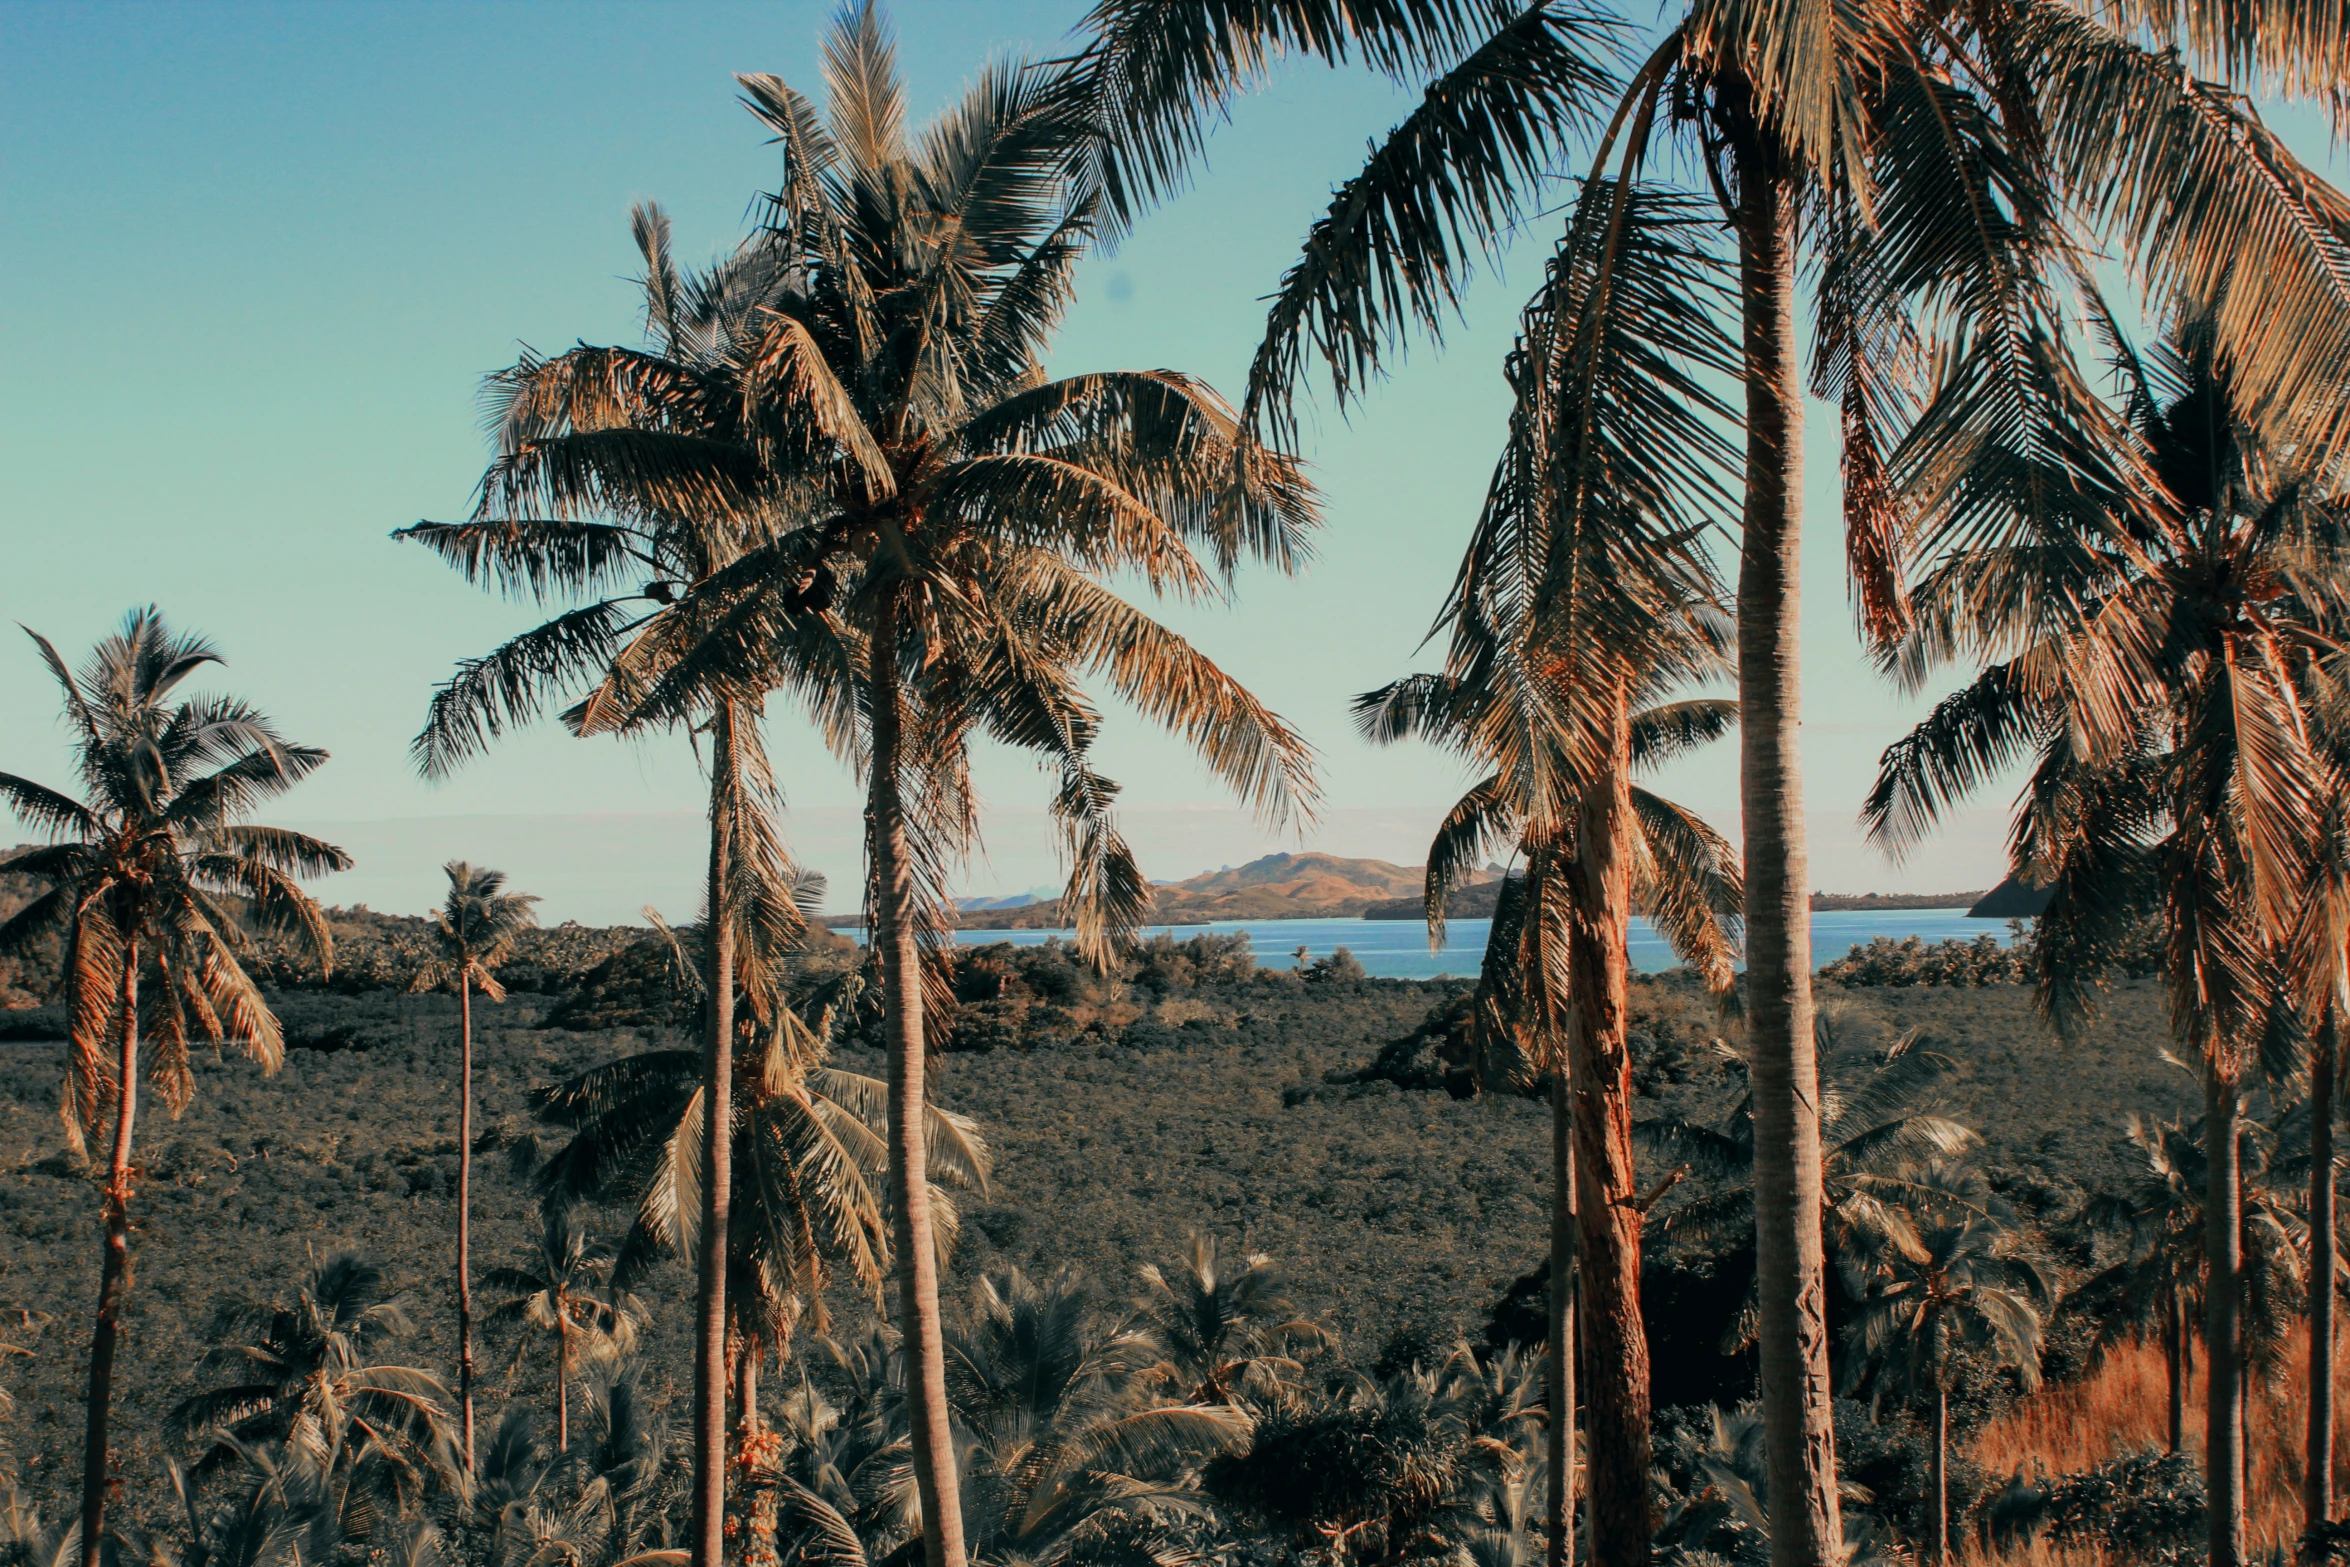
(1398, 949)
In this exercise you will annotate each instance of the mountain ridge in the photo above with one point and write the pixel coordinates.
(1285, 886)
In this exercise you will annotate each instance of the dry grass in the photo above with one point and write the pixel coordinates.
(2124, 1408)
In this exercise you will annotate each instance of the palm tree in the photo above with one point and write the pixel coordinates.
(1069, 1455)
(1222, 1330)
(555, 1291)
(1953, 161)
(2321, 959)
(1064, 1441)
(578, 504)
(1412, 1466)
(304, 1378)
(1876, 1134)
(806, 1157)
(2164, 666)
(2164, 1274)
(954, 517)
(1933, 1286)
(616, 464)
(292, 1503)
(593, 1507)
(1581, 599)
(2160, 1276)
(475, 931)
(153, 878)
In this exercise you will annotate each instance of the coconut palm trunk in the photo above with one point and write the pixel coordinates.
(562, 1382)
(2174, 1354)
(1939, 1524)
(710, 1371)
(2317, 1482)
(465, 1208)
(746, 1403)
(894, 936)
(114, 1274)
(1599, 1075)
(2223, 1437)
(1790, 1284)
(1561, 1306)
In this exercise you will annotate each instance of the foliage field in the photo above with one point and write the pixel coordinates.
(1168, 1107)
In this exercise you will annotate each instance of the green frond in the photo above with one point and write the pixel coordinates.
(512, 685)
(539, 556)
(1389, 255)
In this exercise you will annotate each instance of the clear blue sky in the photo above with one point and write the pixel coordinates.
(256, 259)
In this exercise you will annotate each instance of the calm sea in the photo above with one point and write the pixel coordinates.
(1398, 949)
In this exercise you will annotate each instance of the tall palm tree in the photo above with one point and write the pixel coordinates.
(304, 1376)
(583, 503)
(1951, 162)
(475, 931)
(1581, 600)
(2321, 959)
(2163, 670)
(956, 515)
(1932, 1284)
(556, 1292)
(153, 878)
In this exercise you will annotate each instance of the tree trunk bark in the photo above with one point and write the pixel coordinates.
(1806, 1530)
(2317, 1483)
(1599, 1055)
(710, 1378)
(2174, 1353)
(2223, 1438)
(465, 1207)
(1940, 1523)
(114, 1273)
(746, 1400)
(894, 936)
(562, 1380)
(1560, 1305)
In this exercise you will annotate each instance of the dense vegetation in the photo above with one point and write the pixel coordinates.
(1302, 1118)
(1804, 1230)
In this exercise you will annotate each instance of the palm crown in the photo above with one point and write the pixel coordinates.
(157, 867)
(476, 929)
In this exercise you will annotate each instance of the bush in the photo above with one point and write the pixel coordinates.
(1910, 961)
(2142, 1508)
(1342, 967)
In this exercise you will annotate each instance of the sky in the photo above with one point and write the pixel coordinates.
(257, 259)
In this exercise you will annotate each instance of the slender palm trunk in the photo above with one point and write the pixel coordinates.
(1806, 1530)
(710, 1379)
(114, 1274)
(746, 1400)
(465, 1207)
(1560, 1388)
(2317, 1483)
(2174, 1354)
(1940, 1522)
(562, 1380)
(894, 937)
(2223, 1437)
(1599, 1057)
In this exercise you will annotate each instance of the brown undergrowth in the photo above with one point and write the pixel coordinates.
(2123, 1408)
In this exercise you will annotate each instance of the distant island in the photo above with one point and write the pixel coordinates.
(1276, 887)
(1329, 886)
(1476, 902)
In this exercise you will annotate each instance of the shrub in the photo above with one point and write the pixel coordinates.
(1910, 961)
